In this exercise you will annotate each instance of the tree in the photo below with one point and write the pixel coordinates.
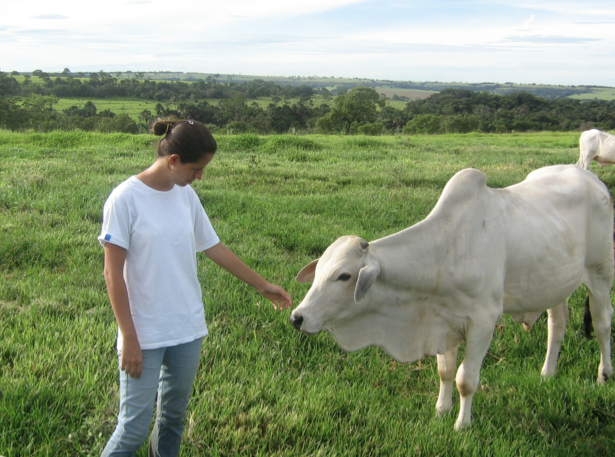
(357, 106)
(8, 85)
(371, 129)
(423, 124)
(147, 117)
(392, 118)
(39, 112)
(12, 116)
(460, 123)
(232, 109)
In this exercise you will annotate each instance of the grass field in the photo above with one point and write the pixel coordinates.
(132, 107)
(410, 94)
(264, 389)
(607, 93)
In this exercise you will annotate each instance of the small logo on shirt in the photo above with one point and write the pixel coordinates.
(107, 237)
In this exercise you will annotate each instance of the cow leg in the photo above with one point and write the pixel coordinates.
(602, 313)
(585, 157)
(477, 344)
(558, 317)
(584, 161)
(447, 363)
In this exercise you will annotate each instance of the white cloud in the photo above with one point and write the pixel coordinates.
(50, 16)
(527, 22)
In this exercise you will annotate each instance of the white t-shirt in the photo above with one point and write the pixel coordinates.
(162, 232)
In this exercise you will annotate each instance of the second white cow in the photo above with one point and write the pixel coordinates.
(597, 145)
(480, 253)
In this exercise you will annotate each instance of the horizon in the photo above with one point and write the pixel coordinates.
(541, 42)
(280, 77)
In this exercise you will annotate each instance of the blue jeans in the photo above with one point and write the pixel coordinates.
(170, 372)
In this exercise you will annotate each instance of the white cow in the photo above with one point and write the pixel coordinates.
(596, 145)
(480, 253)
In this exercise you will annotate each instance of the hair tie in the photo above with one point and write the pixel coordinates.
(167, 130)
(191, 122)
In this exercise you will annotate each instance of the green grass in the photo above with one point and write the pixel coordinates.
(132, 107)
(606, 93)
(264, 389)
(411, 94)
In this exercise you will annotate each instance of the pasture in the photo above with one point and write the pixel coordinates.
(131, 107)
(263, 388)
(410, 94)
(599, 93)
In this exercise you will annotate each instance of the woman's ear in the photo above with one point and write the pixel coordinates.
(173, 160)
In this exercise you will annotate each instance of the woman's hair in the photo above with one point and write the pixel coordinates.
(189, 139)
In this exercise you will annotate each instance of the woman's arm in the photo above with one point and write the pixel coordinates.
(131, 358)
(224, 257)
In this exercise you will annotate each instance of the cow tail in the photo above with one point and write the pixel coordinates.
(587, 319)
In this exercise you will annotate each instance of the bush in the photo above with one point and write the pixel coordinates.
(120, 123)
(325, 124)
(460, 124)
(238, 127)
(239, 142)
(282, 142)
(371, 129)
(422, 124)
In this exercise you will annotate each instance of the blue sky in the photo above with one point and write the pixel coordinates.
(538, 41)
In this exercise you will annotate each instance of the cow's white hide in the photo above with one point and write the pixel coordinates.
(480, 253)
(597, 145)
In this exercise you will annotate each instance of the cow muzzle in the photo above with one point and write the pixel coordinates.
(296, 320)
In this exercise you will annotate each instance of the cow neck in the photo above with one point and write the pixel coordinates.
(417, 249)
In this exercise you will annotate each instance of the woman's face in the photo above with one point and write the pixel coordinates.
(186, 173)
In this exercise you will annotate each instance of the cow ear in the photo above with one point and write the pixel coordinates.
(367, 277)
(308, 272)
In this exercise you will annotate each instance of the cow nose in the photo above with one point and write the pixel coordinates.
(296, 320)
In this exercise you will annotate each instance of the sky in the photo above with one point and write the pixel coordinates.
(521, 41)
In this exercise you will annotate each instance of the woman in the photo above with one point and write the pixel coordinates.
(153, 226)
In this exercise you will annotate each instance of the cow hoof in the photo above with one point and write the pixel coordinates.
(604, 374)
(547, 373)
(603, 379)
(462, 425)
(442, 411)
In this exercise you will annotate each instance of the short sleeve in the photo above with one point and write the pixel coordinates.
(205, 236)
(116, 223)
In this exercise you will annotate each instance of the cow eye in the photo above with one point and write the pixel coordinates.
(343, 277)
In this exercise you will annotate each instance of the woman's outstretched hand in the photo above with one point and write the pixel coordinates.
(278, 296)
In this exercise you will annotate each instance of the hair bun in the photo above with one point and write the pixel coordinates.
(162, 127)
(190, 139)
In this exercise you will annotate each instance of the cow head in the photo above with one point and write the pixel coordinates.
(340, 279)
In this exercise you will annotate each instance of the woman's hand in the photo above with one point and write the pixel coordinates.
(131, 358)
(277, 296)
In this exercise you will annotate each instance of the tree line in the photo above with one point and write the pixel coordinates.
(102, 85)
(358, 110)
